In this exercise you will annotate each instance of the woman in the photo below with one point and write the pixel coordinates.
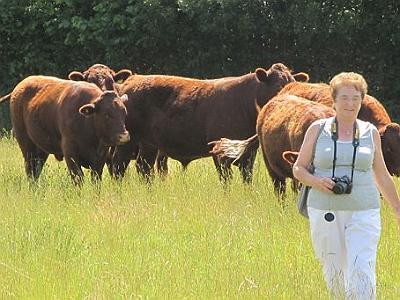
(343, 204)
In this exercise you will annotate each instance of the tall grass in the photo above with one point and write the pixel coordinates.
(183, 237)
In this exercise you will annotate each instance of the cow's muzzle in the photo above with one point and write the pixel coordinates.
(123, 138)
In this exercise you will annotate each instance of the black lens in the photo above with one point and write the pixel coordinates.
(329, 217)
(338, 188)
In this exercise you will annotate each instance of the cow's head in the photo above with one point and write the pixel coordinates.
(271, 81)
(102, 76)
(390, 136)
(109, 114)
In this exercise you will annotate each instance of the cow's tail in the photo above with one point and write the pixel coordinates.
(5, 98)
(225, 149)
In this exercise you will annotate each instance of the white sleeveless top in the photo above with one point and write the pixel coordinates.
(364, 194)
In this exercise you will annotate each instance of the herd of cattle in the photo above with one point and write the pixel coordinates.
(103, 117)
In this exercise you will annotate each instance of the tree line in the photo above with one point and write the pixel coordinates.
(203, 39)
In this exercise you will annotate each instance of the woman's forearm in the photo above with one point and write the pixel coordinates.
(388, 190)
(303, 175)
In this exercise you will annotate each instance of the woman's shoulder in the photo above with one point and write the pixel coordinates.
(320, 122)
(366, 126)
(317, 127)
(364, 123)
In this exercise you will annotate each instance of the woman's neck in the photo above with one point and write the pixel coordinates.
(345, 122)
(345, 129)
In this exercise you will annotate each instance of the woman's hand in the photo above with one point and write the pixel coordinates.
(324, 184)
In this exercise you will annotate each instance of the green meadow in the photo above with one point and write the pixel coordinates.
(184, 237)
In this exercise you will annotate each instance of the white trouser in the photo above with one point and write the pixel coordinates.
(346, 248)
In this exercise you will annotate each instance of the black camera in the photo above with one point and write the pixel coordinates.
(342, 185)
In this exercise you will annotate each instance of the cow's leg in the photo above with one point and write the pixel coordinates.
(246, 166)
(246, 162)
(34, 162)
(34, 158)
(295, 185)
(279, 185)
(224, 170)
(96, 172)
(162, 164)
(109, 156)
(121, 158)
(75, 170)
(145, 161)
(278, 181)
(184, 164)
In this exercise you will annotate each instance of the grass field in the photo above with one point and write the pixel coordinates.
(182, 238)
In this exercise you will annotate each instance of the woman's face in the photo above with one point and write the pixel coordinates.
(347, 102)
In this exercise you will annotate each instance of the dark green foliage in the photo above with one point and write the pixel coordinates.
(202, 38)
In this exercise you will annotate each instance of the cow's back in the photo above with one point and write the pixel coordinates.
(33, 107)
(36, 91)
(317, 92)
(181, 115)
(38, 105)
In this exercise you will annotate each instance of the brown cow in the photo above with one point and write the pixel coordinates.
(371, 110)
(75, 120)
(107, 80)
(179, 116)
(102, 76)
(281, 126)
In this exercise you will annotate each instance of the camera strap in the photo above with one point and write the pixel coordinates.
(355, 142)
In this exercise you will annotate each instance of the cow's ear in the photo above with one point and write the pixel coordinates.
(122, 75)
(87, 109)
(391, 132)
(303, 77)
(261, 74)
(76, 76)
(290, 157)
(393, 127)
